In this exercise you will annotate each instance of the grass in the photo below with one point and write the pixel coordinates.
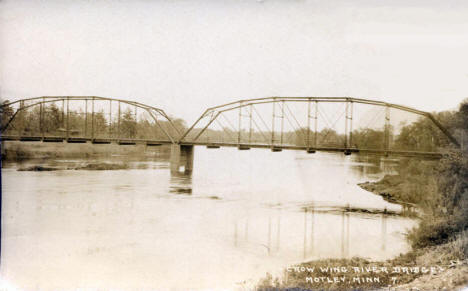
(103, 166)
(451, 256)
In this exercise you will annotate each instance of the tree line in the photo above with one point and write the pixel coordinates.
(439, 187)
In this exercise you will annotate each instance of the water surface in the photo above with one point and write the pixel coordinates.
(239, 215)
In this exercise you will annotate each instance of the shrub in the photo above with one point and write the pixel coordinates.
(447, 208)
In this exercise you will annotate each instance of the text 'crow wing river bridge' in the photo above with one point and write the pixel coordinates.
(340, 124)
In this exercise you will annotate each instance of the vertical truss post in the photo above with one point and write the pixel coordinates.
(136, 122)
(346, 125)
(41, 117)
(110, 118)
(157, 123)
(387, 129)
(240, 124)
(351, 124)
(273, 125)
(63, 113)
(308, 124)
(92, 119)
(21, 112)
(118, 123)
(68, 118)
(86, 118)
(207, 137)
(250, 124)
(315, 124)
(282, 122)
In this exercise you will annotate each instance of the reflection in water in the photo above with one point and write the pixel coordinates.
(181, 183)
(235, 234)
(337, 222)
(305, 233)
(239, 214)
(278, 230)
(344, 235)
(312, 235)
(269, 235)
(347, 235)
(374, 166)
(246, 232)
(384, 231)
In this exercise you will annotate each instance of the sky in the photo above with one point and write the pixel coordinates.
(185, 56)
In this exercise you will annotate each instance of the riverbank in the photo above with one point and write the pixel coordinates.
(390, 187)
(393, 189)
(442, 267)
(18, 151)
(88, 166)
(443, 255)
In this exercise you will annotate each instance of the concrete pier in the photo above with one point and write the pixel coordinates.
(181, 159)
(3, 149)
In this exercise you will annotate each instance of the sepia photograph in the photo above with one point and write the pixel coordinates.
(239, 145)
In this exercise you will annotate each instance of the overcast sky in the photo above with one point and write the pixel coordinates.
(184, 56)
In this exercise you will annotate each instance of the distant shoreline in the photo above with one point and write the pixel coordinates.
(17, 151)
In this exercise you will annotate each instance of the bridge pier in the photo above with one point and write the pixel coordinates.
(181, 159)
(3, 149)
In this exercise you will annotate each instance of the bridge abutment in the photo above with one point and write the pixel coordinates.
(181, 160)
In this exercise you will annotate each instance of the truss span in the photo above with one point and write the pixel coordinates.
(318, 123)
(86, 118)
(307, 123)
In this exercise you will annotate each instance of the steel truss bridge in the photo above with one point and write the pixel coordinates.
(81, 119)
(339, 124)
(308, 132)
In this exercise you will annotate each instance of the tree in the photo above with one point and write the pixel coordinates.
(128, 125)
(52, 118)
(329, 137)
(100, 123)
(7, 112)
(447, 206)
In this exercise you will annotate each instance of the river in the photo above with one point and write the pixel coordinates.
(239, 215)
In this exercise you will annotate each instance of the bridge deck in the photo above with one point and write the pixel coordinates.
(276, 147)
(242, 146)
(120, 141)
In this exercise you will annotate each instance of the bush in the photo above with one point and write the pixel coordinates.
(447, 208)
